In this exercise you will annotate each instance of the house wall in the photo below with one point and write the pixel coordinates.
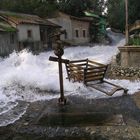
(82, 27)
(65, 23)
(33, 43)
(8, 43)
(70, 25)
(23, 29)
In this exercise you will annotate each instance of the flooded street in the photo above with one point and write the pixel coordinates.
(82, 119)
(29, 92)
(28, 78)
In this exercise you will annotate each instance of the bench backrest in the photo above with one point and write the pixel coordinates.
(94, 71)
(85, 70)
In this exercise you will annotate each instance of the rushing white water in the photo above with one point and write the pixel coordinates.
(27, 77)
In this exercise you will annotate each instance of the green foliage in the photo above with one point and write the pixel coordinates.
(116, 12)
(73, 7)
(134, 41)
(98, 6)
(40, 7)
(77, 7)
(134, 8)
(45, 8)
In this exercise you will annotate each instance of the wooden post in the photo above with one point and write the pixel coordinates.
(126, 23)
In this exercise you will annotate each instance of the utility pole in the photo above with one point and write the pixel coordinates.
(126, 22)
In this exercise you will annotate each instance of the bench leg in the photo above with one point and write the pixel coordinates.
(125, 92)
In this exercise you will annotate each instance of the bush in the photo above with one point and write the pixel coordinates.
(134, 41)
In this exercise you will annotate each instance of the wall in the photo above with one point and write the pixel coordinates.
(130, 56)
(80, 26)
(22, 32)
(65, 22)
(7, 46)
(70, 25)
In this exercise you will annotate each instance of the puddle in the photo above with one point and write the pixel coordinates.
(72, 119)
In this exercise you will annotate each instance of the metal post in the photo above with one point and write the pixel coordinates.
(126, 24)
(62, 99)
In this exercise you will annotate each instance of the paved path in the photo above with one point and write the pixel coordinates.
(82, 119)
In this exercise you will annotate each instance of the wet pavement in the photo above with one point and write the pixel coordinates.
(82, 119)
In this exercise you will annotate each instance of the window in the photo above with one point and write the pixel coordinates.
(77, 33)
(66, 36)
(12, 38)
(29, 33)
(84, 33)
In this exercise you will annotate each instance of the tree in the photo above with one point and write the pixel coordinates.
(6, 4)
(46, 8)
(116, 13)
(77, 7)
(39, 7)
(98, 6)
(134, 8)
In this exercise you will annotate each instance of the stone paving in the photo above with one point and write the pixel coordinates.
(83, 119)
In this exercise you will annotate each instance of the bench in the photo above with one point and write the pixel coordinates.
(92, 74)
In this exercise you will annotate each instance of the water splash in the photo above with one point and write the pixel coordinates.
(26, 77)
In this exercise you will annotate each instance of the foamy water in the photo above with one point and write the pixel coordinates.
(28, 78)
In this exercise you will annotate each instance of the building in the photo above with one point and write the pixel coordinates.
(19, 31)
(77, 29)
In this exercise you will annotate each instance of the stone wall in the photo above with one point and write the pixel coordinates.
(130, 56)
(124, 73)
(126, 64)
(71, 25)
(80, 26)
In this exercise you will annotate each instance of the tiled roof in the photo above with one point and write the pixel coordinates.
(49, 23)
(18, 18)
(5, 27)
(82, 18)
(60, 14)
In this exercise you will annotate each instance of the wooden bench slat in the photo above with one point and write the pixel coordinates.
(93, 62)
(94, 78)
(97, 71)
(83, 64)
(77, 73)
(75, 66)
(92, 66)
(76, 70)
(94, 75)
(75, 61)
(101, 67)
